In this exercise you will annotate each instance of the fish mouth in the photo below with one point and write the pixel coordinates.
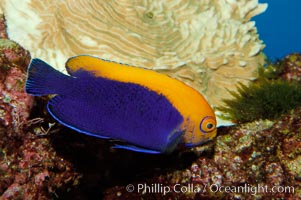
(190, 145)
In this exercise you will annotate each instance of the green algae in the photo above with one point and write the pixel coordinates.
(271, 71)
(295, 166)
(149, 15)
(20, 84)
(262, 100)
(228, 139)
(7, 44)
(6, 99)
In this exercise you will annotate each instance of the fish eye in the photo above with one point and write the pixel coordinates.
(207, 124)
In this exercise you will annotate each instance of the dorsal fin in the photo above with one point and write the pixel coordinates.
(89, 63)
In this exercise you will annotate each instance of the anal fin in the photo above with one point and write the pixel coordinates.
(172, 143)
(135, 148)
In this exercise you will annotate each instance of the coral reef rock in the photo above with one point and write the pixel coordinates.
(259, 160)
(15, 104)
(210, 44)
(291, 65)
(29, 166)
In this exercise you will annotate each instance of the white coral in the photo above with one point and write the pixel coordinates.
(209, 44)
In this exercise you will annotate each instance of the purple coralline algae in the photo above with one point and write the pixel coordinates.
(291, 65)
(14, 103)
(29, 166)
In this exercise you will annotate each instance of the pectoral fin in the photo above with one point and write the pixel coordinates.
(173, 140)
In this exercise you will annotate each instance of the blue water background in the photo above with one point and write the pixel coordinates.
(280, 27)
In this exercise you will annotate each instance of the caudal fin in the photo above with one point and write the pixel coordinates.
(42, 79)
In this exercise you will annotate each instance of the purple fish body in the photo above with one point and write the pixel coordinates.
(105, 108)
